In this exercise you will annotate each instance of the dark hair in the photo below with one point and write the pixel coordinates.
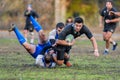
(111, 1)
(60, 25)
(68, 19)
(48, 58)
(78, 20)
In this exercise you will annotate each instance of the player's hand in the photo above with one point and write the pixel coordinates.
(107, 21)
(54, 45)
(111, 12)
(96, 53)
(71, 43)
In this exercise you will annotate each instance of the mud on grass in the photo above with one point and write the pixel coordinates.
(17, 64)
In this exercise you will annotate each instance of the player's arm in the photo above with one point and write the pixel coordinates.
(94, 43)
(92, 39)
(65, 43)
(112, 20)
(36, 15)
(115, 13)
(61, 38)
(101, 21)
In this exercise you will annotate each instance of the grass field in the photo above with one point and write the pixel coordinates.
(17, 64)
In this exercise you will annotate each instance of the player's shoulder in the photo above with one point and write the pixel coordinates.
(52, 31)
(114, 9)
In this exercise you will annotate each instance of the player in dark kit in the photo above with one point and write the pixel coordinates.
(28, 26)
(110, 23)
(76, 29)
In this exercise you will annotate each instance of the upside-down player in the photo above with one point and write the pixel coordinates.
(37, 51)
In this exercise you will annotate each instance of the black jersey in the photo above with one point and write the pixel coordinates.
(105, 14)
(33, 13)
(70, 30)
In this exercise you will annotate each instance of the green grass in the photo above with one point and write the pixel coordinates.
(17, 64)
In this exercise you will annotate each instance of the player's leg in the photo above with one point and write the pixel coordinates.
(114, 44)
(25, 31)
(32, 38)
(66, 60)
(112, 30)
(30, 48)
(31, 30)
(60, 55)
(107, 36)
(106, 51)
(67, 56)
(38, 28)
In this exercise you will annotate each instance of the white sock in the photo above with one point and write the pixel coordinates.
(32, 41)
(26, 39)
(106, 49)
(114, 42)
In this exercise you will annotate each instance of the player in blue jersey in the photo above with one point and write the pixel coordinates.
(40, 51)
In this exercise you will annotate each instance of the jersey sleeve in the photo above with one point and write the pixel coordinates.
(87, 32)
(64, 32)
(102, 12)
(35, 15)
(52, 34)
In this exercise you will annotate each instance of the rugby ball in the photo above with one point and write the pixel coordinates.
(69, 38)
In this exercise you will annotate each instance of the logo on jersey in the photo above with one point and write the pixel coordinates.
(111, 30)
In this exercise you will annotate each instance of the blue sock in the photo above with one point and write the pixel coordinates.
(36, 25)
(20, 37)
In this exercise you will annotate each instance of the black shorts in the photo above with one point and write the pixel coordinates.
(110, 29)
(61, 50)
(30, 28)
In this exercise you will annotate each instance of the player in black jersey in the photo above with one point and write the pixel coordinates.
(110, 23)
(76, 29)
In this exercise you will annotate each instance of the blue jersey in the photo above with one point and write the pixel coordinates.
(40, 48)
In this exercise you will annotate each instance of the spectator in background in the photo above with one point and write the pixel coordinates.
(110, 23)
(28, 26)
(69, 20)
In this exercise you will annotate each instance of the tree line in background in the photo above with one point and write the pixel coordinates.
(12, 11)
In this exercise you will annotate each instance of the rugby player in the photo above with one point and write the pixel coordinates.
(110, 23)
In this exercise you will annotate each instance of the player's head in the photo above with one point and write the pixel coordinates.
(59, 27)
(29, 7)
(48, 55)
(78, 23)
(69, 20)
(48, 58)
(109, 4)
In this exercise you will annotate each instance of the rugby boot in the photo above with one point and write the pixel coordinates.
(11, 27)
(114, 47)
(105, 52)
(68, 64)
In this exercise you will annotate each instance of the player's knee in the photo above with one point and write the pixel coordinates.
(25, 31)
